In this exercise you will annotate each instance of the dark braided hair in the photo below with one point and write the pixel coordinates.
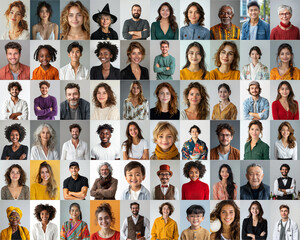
(52, 51)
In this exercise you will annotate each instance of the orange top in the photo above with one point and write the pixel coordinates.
(274, 75)
(231, 75)
(50, 74)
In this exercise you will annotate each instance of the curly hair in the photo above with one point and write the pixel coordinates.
(51, 185)
(105, 126)
(19, 4)
(170, 206)
(104, 207)
(19, 128)
(171, 18)
(111, 98)
(128, 143)
(203, 106)
(199, 9)
(141, 97)
(234, 226)
(64, 24)
(13, 45)
(254, 122)
(202, 64)
(14, 84)
(75, 125)
(41, 83)
(39, 8)
(291, 138)
(222, 126)
(293, 106)
(52, 51)
(37, 136)
(108, 166)
(291, 63)
(78, 206)
(194, 164)
(260, 209)
(236, 58)
(132, 46)
(112, 48)
(22, 179)
(41, 207)
(230, 183)
(161, 127)
(172, 104)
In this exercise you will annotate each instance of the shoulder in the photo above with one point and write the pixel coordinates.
(274, 70)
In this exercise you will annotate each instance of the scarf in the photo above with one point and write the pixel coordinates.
(9, 233)
(284, 25)
(105, 182)
(172, 153)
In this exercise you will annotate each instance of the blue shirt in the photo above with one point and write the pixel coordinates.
(261, 104)
(194, 32)
(144, 194)
(253, 32)
(262, 33)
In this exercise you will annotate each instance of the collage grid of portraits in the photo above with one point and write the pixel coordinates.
(129, 58)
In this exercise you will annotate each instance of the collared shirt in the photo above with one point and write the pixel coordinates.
(262, 33)
(194, 32)
(124, 229)
(144, 194)
(261, 104)
(285, 152)
(259, 152)
(68, 73)
(51, 232)
(24, 73)
(50, 74)
(291, 230)
(162, 230)
(20, 106)
(75, 185)
(37, 153)
(291, 190)
(69, 152)
(164, 191)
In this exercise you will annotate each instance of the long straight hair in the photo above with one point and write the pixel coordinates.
(128, 143)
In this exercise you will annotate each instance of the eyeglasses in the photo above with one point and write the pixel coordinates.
(13, 218)
(284, 14)
(164, 174)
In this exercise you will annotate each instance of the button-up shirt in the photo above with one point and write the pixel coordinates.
(24, 73)
(124, 229)
(164, 191)
(69, 152)
(143, 195)
(261, 104)
(51, 232)
(291, 190)
(20, 106)
(68, 73)
(285, 152)
(162, 230)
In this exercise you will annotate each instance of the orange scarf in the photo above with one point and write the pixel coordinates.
(172, 153)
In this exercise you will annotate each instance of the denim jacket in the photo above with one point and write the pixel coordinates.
(144, 194)
(194, 32)
(263, 30)
(262, 103)
(246, 194)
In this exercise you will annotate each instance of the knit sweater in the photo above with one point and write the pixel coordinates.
(45, 113)
(164, 62)
(195, 190)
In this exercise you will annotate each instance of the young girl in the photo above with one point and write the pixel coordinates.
(195, 68)
(45, 54)
(165, 135)
(224, 110)
(135, 147)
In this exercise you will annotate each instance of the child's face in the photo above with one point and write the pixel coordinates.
(165, 140)
(195, 219)
(134, 177)
(44, 57)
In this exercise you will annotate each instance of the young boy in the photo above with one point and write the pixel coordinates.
(165, 136)
(134, 175)
(195, 215)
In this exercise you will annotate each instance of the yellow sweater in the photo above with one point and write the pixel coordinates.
(7, 232)
(229, 113)
(231, 75)
(38, 192)
(160, 230)
(186, 74)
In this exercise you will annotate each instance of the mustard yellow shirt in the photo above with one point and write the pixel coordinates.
(186, 74)
(231, 75)
(38, 192)
(199, 234)
(160, 230)
(274, 75)
(228, 113)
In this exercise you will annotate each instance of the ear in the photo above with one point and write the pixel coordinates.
(144, 177)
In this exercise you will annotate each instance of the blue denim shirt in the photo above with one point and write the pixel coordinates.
(194, 32)
(262, 103)
(263, 30)
(144, 194)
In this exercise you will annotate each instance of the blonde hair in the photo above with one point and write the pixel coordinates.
(162, 126)
(141, 97)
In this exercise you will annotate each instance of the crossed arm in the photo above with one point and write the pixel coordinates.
(68, 195)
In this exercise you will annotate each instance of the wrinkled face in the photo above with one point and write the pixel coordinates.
(227, 215)
(105, 135)
(285, 16)
(104, 55)
(164, 48)
(254, 210)
(164, 177)
(15, 174)
(134, 177)
(72, 95)
(45, 134)
(165, 210)
(227, 55)
(136, 56)
(136, 12)
(13, 56)
(254, 90)
(14, 136)
(44, 89)
(75, 133)
(104, 171)
(75, 54)
(133, 131)
(44, 215)
(194, 96)
(223, 94)
(253, 12)
(14, 219)
(74, 171)
(74, 212)
(195, 219)
(284, 171)
(285, 132)
(194, 174)
(44, 57)
(105, 21)
(285, 55)
(135, 209)
(164, 11)
(102, 96)
(15, 16)
(165, 140)
(135, 90)
(194, 56)
(224, 173)
(194, 133)
(45, 174)
(284, 91)
(104, 220)
(284, 213)
(255, 176)
(226, 15)
(75, 17)
(225, 137)
(254, 56)
(164, 95)
(44, 13)
(193, 15)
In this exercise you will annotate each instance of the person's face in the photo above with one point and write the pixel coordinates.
(223, 94)
(14, 91)
(45, 134)
(135, 210)
(254, 210)
(75, 133)
(14, 219)
(225, 137)
(224, 173)
(285, 16)
(44, 13)
(285, 132)
(164, 11)
(104, 220)
(75, 17)
(164, 48)
(105, 21)
(285, 55)
(13, 56)
(133, 131)
(136, 56)
(164, 177)
(15, 174)
(254, 131)
(284, 171)
(165, 140)
(254, 56)
(194, 55)
(45, 174)
(105, 135)
(104, 171)
(44, 89)
(74, 212)
(284, 213)
(284, 91)
(254, 90)
(227, 215)
(14, 136)
(135, 90)
(195, 219)
(136, 12)
(75, 54)
(165, 210)
(194, 174)
(193, 14)
(44, 215)
(134, 177)
(194, 96)
(102, 96)
(74, 171)
(227, 55)
(253, 12)
(15, 16)
(194, 133)
(255, 176)
(164, 95)
(104, 55)
(72, 95)
(226, 15)
(44, 57)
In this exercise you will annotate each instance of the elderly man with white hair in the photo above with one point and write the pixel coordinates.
(285, 30)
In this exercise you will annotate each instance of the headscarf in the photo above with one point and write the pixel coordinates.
(8, 231)
(11, 209)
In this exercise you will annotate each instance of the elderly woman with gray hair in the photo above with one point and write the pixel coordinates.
(285, 30)
(105, 186)
(44, 141)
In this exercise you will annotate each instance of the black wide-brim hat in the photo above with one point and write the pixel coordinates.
(105, 11)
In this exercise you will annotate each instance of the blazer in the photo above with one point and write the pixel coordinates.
(96, 73)
(248, 228)
(127, 74)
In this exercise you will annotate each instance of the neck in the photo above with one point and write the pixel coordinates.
(14, 184)
(195, 139)
(165, 217)
(44, 223)
(284, 65)
(14, 28)
(255, 217)
(164, 107)
(75, 141)
(226, 228)
(134, 19)
(255, 98)
(254, 62)
(224, 101)
(224, 68)
(164, 20)
(284, 139)
(14, 99)
(75, 177)
(74, 220)
(105, 144)
(45, 67)
(255, 187)
(105, 30)
(44, 182)
(73, 106)
(254, 140)
(15, 227)
(136, 188)
(283, 99)
(14, 67)
(44, 144)
(165, 54)
(224, 149)
(194, 67)
(16, 144)
(224, 181)
(44, 95)
(134, 66)
(106, 66)
(75, 64)
(226, 26)
(284, 219)
(136, 140)
(76, 31)
(105, 231)
(254, 21)
(193, 108)
(45, 21)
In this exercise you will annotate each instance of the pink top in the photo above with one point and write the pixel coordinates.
(220, 193)
(279, 113)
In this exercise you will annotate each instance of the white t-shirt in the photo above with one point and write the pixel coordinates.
(100, 153)
(137, 150)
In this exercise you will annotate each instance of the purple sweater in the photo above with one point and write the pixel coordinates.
(45, 104)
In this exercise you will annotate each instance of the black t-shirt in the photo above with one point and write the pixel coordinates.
(163, 115)
(16, 235)
(75, 185)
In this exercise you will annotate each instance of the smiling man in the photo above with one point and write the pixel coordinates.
(285, 186)
(14, 70)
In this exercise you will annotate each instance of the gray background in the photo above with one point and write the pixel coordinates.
(266, 167)
(214, 10)
(84, 90)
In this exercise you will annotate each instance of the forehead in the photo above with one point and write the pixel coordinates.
(134, 206)
(134, 170)
(43, 51)
(254, 170)
(227, 208)
(105, 131)
(104, 167)
(136, 8)
(12, 50)
(74, 10)
(15, 9)
(226, 9)
(165, 132)
(75, 49)
(284, 10)
(71, 90)
(14, 214)
(194, 169)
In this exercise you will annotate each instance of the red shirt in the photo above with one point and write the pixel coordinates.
(279, 113)
(195, 190)
(116, 236)
(24, 73)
